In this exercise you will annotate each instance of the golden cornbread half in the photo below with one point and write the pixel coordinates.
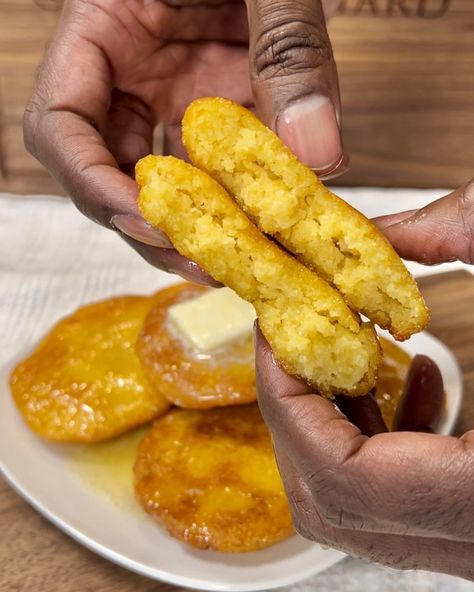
(286, 200)
(311, 330)
(211, 478)
(84, 382)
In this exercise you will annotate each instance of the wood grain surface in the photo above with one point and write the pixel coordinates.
(406, 72)
(36, 557)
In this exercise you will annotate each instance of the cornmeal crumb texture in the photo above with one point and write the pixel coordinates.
(84, 382)
(211, 478)
(310, 328)
(286, 200)
(225, 378)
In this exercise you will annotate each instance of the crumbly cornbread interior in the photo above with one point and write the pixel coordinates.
(310, 328)
(286, 200)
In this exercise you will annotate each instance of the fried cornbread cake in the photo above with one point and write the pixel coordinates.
(226, 377)
(287, 201)
(84, 382)
(211, 478)
(311, 330)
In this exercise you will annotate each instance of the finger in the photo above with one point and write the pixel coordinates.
(61, 123)
(397, 482)
(171, 261)
(442, 231)
(421, 404)
(401, 552)
(75, 154)
(294, 79)
(128, 131)
(364, 412)
(69, 104)
(298, 417)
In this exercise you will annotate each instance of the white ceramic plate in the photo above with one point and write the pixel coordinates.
(45, 476)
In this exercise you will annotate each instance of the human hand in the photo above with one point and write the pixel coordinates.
(440, 232)
(115, 69)
(403, 499)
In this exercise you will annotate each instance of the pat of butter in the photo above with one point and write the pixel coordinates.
(213, 320)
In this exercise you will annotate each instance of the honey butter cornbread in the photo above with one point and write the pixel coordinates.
(211, 478)
(311, 329)
(84, 382)
(227, 377)
(285, 199)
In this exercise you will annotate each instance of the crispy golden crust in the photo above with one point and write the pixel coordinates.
(228, 378)
(310, 328)
(286, 200)
(211, 478)
(84, 382)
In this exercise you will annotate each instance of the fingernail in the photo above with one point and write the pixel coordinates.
(309, 128)
(136, 228)
(255, 333)
(335, 170)
(383, 222)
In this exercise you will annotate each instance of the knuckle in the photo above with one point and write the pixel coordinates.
(36, 107)
(466, 214)
(288, 48)
(31, 118)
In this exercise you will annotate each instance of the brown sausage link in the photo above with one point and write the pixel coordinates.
(422, 400)
(364, 412)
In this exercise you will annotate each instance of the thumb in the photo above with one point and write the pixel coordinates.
(440, 232)
(294, 80)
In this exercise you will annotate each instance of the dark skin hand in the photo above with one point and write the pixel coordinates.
(117, 68)
(404, 499)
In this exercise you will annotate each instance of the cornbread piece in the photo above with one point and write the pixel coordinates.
(286, 200)
(211, 478)
(225, 377)
(84, 382)
(312, 332)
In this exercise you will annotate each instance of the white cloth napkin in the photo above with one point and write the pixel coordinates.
(52, 260)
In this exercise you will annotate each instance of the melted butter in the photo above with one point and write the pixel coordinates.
(213, 319)
(238, 351)
(107, 468)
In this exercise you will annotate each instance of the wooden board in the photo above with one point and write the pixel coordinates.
(406, 70)
(35, 556)
(407, 82)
